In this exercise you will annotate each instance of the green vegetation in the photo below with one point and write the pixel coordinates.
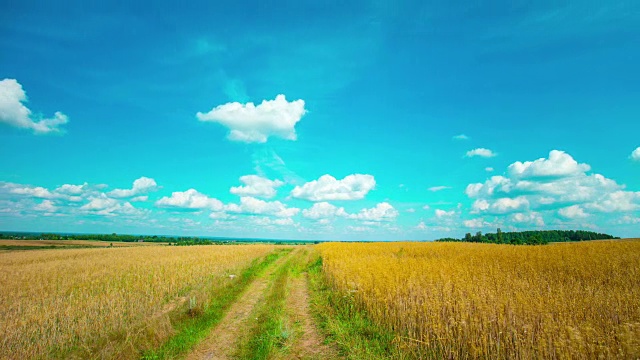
(537, 237)
(193, 325)
(270, 332)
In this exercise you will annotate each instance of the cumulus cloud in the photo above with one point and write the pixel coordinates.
(461, 137)
(556, 182)
(352, 187)
(482, 152)
(37, 192)
(255, 185)
(140, 186)
(106, 206)
(475, 223)
(572, 212)
(559, 164)
(488, 169)
(72, 189)
(507, 205)
(528, 218)
(46, 206)
(191, 200)
(381, 212)
(13, 112)
(442, 213)
(252, 206)
(251, 123)
(439, 188)
(324, 210)
(265, 221)
(635, 154)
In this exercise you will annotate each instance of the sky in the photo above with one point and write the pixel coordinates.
(331, 120)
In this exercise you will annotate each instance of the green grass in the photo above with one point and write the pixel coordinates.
(193, 327)
(270, 332)
(349, 327)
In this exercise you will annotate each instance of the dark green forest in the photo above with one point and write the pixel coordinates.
(537, 237)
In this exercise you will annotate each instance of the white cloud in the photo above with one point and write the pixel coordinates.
(255, 185)
(106, 206)
(528, 218)
(72, 189)
(559, 164)
(190, 199)
(426, 207)
(572, 212)
(443, 213)
(37, 192)
(439, 188)
(220, 215)
(358, 228)
(482, 152)
(14, 113)
(382, 212)
(635, 154)
(461, 137)
(283, 222)
(100, 203)
(140, 186)
(628, 219)
(269, 222)
(352, 187)
(421, 226)
(411, 210)
(617, 201)
(141, 198)
(557, 182)
(323, 210)
(46, 205)
(253, 206)
(475, 223)
(250, 123)
(488, 169)
(508, 205)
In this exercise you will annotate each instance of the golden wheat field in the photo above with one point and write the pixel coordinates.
(72, 243)
(465, 300)
(69, 303)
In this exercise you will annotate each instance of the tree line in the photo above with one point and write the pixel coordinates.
(535, 237)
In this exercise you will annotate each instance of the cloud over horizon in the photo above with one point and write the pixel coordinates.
(326, 188)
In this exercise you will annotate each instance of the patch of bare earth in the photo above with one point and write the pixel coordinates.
(310, 343)
(222, 341)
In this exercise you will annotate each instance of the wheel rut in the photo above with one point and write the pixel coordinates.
(222, 341)
(309, 343)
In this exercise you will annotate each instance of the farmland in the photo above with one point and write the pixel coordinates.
(58, 303)
(328, 301)
(496, 301)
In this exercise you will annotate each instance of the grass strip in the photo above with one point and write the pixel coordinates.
(350, 328)
(190, 330)
(271, 331)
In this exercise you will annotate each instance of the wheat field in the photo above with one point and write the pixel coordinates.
(104, 302)
(464, 300)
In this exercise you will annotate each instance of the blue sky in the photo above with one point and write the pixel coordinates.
(320, 120)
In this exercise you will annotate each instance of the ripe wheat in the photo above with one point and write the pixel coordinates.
(574, 300)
